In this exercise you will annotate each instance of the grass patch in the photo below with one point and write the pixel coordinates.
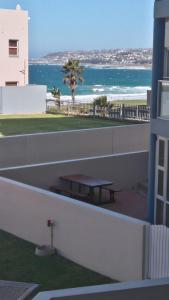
(25, 124)
(131, 102)
(18, 263)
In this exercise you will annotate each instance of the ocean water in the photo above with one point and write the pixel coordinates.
(117, 84)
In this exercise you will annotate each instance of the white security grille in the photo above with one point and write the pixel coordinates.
(158, 252)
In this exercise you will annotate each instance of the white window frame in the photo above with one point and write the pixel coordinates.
(164, 169)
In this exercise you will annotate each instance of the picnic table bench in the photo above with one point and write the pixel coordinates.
(68, 192)
(112, 190)
(87, 181)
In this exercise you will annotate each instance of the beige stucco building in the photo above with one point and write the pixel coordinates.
(14, 47)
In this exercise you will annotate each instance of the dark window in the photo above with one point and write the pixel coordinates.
(13, 47)
(161, 153)
(159, 212)
(167, 215)
(166, 63)
(168, 176)
(11, 83)
(160, 182)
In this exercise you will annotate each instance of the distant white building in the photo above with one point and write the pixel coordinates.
(14, 47)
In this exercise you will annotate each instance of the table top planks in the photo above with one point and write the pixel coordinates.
(86, 180)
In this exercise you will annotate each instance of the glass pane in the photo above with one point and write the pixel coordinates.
(13, 51)
(167, 215)
(168, 175)
(164, 95)
(160, 182)
(166, 43)
(159, 212)
(13, 43)
(161, 153)
(166, 63)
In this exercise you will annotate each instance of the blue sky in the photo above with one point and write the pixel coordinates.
(58, 25)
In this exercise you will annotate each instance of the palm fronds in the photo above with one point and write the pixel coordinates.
(72, 71)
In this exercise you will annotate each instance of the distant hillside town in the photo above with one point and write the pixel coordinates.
(111, 57)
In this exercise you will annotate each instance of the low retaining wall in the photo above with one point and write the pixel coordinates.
(47, 147)
(147, 290)
(127, 169)
(103, 241)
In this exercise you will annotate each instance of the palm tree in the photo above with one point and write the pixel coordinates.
(72, 71)
(57, 94)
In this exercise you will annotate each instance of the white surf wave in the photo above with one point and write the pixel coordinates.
(119, 89)
(98, 90)
(110, 97)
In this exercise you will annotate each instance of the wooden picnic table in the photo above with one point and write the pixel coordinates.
(88, 181)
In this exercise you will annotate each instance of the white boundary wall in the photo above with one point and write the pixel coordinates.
(23, 99)
(126, 169)
(104, 241)
(57, 146)
(158, 252)
(144, 289)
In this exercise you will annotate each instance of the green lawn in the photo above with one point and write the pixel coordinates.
(24, 124)
(131, 102)
(18, 263)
